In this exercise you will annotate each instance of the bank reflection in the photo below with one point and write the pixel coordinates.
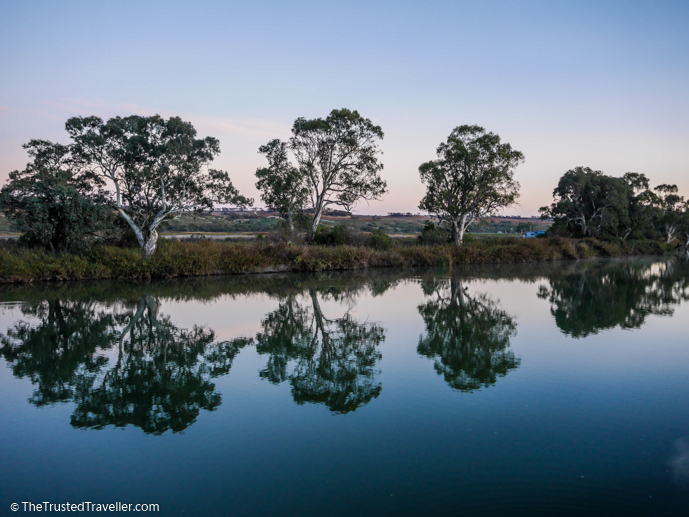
(588, 298)
(467, 336)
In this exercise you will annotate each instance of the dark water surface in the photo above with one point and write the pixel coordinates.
(557, 389)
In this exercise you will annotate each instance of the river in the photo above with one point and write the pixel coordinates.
(525, 390)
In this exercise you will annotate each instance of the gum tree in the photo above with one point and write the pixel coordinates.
(590, 204)
(283, 186)
(641, 206)
(157, 168)
(670, 210)
(685, 228)
(472, 177)
(339, 156)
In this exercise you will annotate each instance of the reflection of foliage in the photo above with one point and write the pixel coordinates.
(104, 347)
(161, 378)
(615, 294)
(54, 353)
(468, 336)
(334, 359)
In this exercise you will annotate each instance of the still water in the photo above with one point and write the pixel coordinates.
(557, 389)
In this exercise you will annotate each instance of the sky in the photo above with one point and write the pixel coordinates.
(602, 84)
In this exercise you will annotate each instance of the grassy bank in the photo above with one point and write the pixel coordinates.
(179, 259)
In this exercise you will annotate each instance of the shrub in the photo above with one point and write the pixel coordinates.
(330, 236)
(339, 236)
(302, 221)
(380, 240)
(433, 235)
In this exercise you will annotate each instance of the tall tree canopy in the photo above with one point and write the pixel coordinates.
(684, 228)
(339, 156)
(642, 202)
(472, 177)
(590, 204)
(157, 168)
(55, 201)
(283, 186)
(671, 210)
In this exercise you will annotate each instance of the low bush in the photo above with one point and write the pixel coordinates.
(340, 235)
(330, 236)
(380, 240)
(433, 235)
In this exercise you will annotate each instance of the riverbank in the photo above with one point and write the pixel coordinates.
(201, 258)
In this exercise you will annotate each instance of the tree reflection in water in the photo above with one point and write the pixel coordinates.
(60, 349)
(467, 336)
(111, 352)
(330, 361)
(606, 295)
(159, 380)
(108, 349)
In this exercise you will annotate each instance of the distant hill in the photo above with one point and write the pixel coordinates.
(396, 224)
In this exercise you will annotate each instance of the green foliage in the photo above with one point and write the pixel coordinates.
(642, 208)
(473, 177)
(156, 166)
(5, 224)
(283, 187)
(590, 204)
(56, 202)
(671, 211)
(379, 240)
(339, 155)
(331, 236)
(303, 221)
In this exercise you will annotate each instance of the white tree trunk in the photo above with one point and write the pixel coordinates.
(458, 229)
(150, 244)
(317, 214)
(290, 221)
(147, 243)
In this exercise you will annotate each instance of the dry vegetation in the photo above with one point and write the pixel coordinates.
(180, 259)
